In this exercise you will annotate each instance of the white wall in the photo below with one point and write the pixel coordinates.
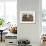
(30, 31)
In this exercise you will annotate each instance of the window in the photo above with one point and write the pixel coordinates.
(11, 11)
(1, 8)
(43, 12)
(44, 16)
(8, 10)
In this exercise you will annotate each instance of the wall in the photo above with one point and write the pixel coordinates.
(30, 31)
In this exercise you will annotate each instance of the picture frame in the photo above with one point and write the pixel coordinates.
(27, 16)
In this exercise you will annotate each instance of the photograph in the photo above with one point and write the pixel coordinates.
(27, 17)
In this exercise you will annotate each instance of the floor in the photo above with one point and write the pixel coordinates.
(2, 43)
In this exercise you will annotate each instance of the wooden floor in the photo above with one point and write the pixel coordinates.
(2, 43)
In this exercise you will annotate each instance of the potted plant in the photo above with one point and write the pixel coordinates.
(1, 22)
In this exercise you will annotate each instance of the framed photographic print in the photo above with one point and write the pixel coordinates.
(27, 16)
